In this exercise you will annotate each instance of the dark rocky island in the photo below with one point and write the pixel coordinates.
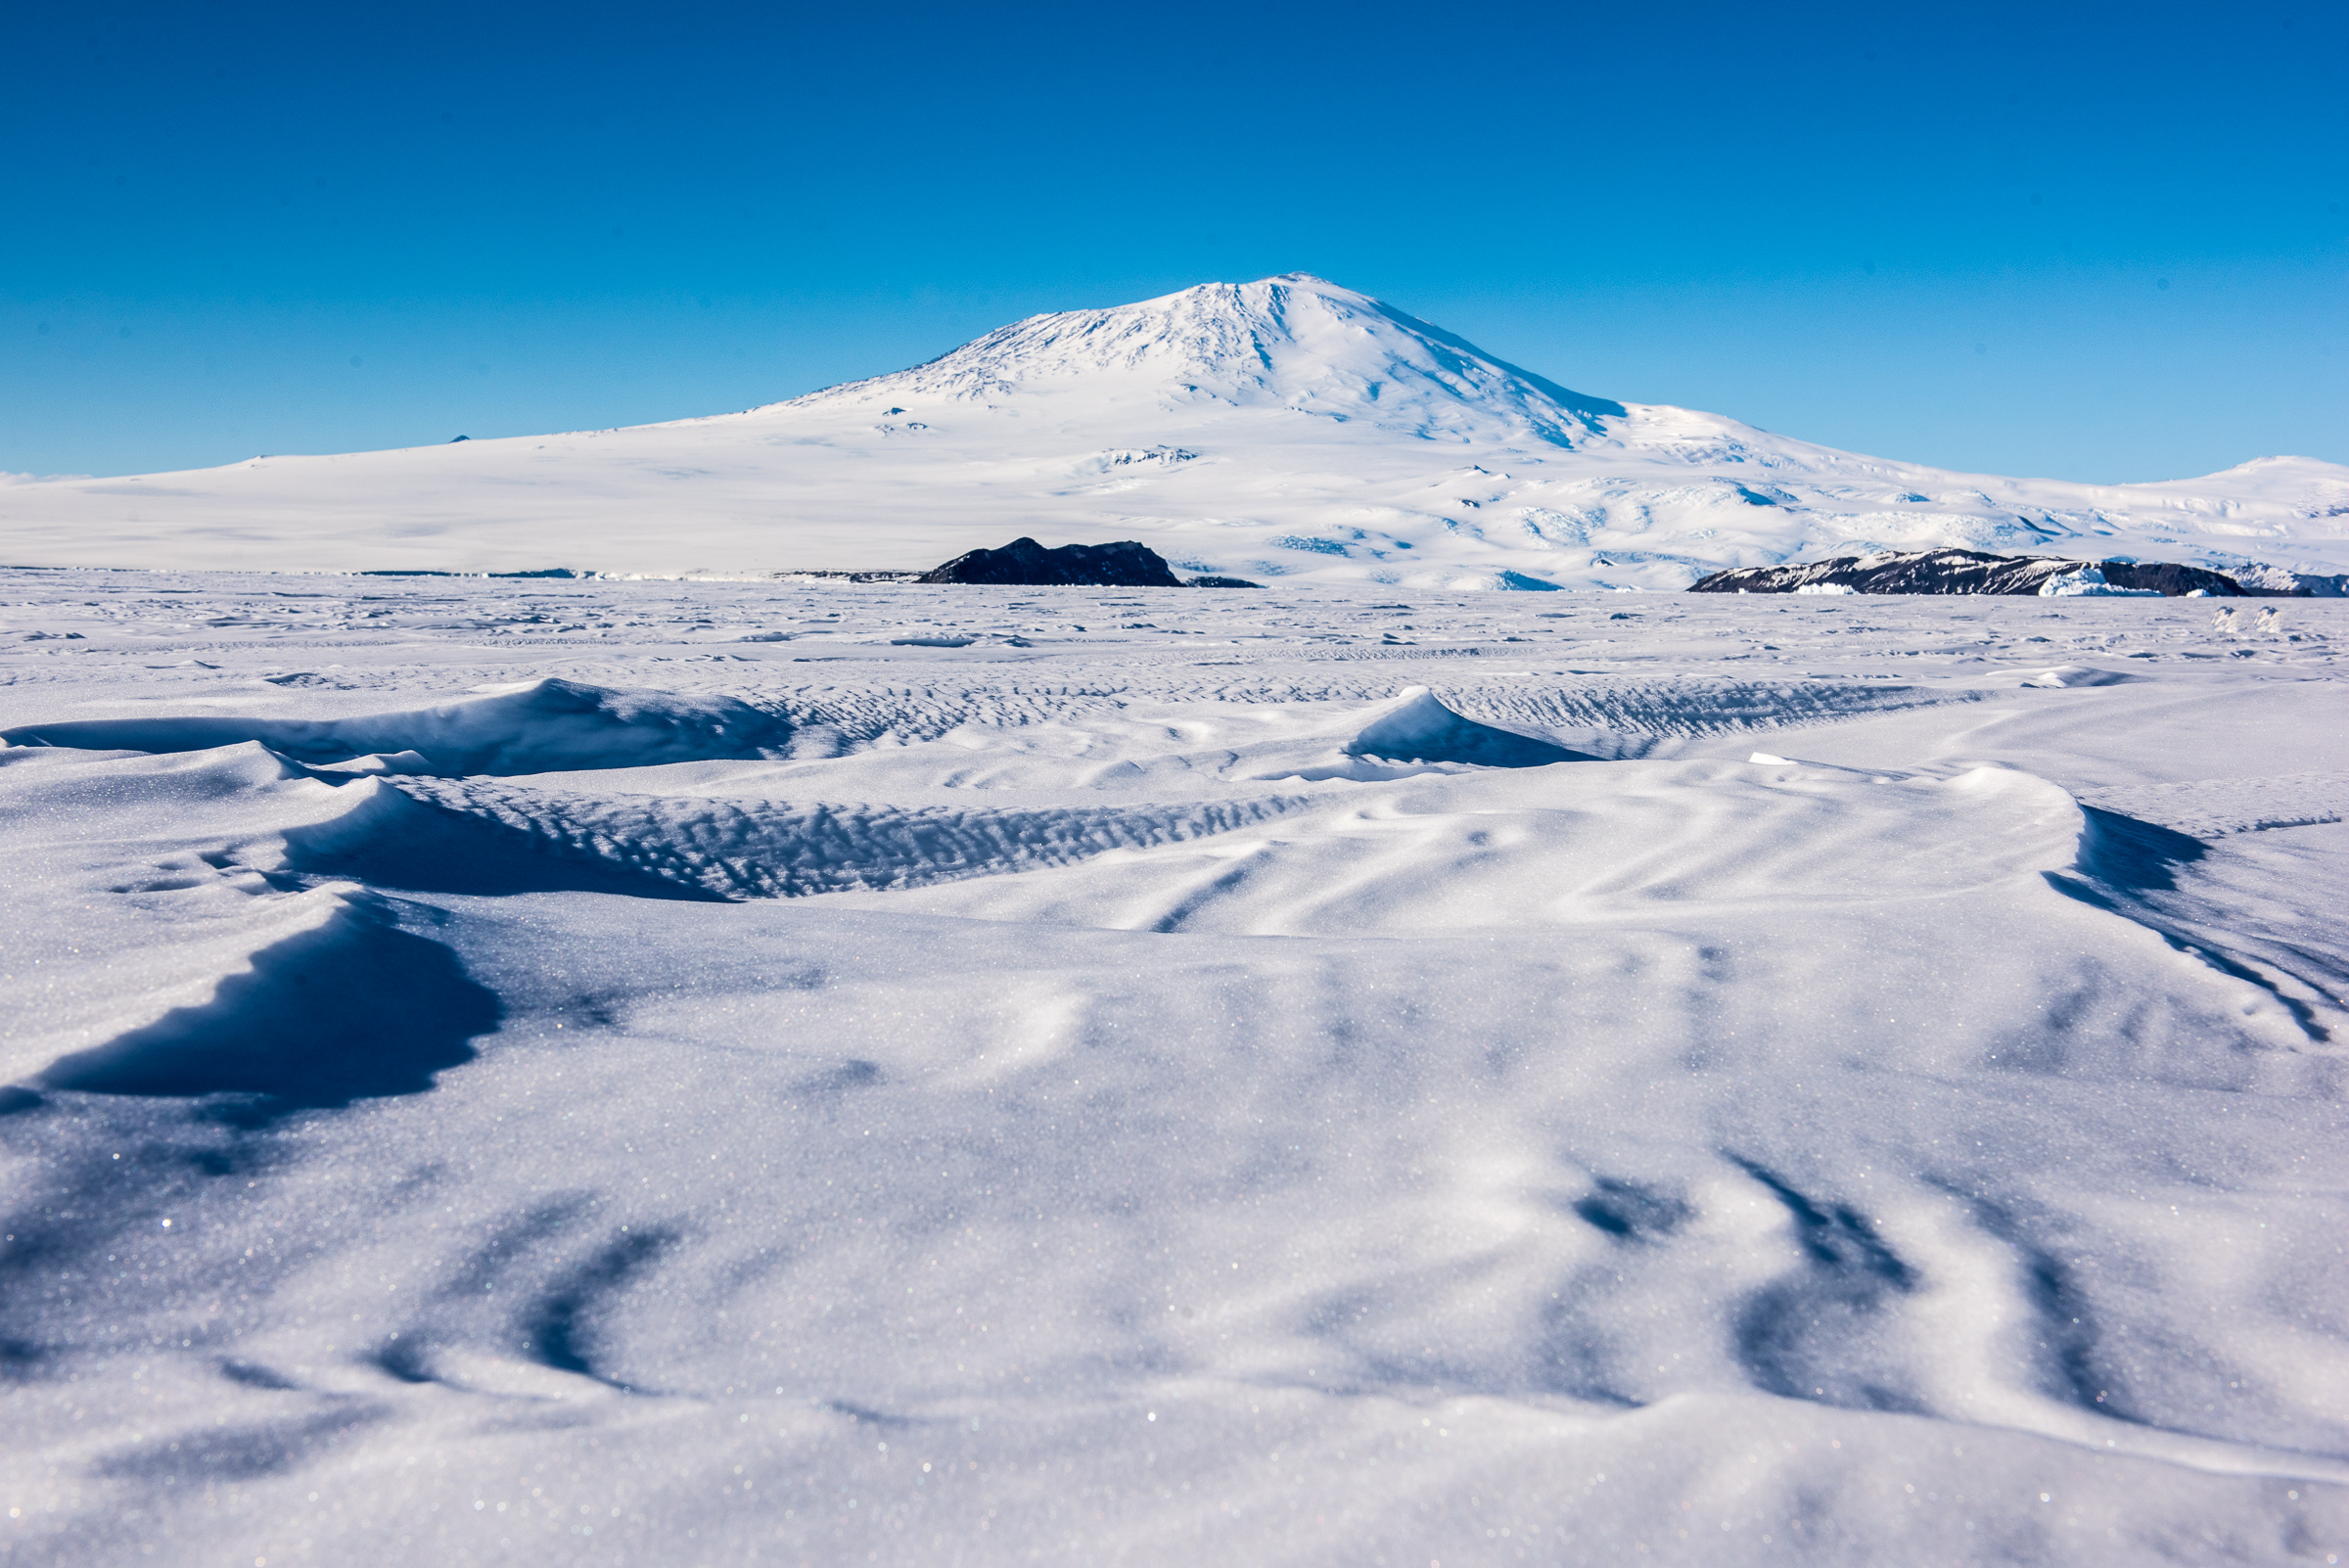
(1975, 572)
(1026, 564)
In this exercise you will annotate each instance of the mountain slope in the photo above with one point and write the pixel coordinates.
(1283, 429)
(1295, 343)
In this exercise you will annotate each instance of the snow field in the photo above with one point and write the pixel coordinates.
(1304, 1079)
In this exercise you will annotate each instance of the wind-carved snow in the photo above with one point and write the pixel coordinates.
(764, 849)
(1417, 727)
(2212, 808)
(1385, 1071)
(1220, 425)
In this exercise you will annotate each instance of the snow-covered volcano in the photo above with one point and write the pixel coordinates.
(1287, 428)
(1296, 344)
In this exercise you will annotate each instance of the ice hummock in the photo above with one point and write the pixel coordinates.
(2087, 582)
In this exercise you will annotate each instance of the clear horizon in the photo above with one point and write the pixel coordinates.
(2003, 240)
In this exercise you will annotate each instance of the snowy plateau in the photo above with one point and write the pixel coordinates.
(631, 1071)
(1287, 428)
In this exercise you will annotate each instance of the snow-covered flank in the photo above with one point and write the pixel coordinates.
(1287, 429)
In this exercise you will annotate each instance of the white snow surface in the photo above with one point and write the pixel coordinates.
(1285, 428)
(632, 1072)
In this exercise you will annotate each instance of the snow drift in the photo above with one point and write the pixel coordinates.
(539, 728)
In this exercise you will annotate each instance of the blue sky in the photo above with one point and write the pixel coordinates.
(2098, 243)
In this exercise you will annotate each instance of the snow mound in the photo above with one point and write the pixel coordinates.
(1417, 728)
(545, 726)
(2074, 676)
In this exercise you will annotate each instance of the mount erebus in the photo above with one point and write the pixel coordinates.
(1287, 428)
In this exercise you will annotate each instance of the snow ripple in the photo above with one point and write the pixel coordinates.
(779, 850)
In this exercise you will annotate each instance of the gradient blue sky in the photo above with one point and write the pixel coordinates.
(2099, 242)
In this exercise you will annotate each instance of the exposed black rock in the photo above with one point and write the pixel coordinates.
(1026, 564)
(1968, 572)
(2167, 576)
(1224, 583)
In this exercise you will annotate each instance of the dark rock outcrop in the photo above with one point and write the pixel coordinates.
(1966, 572)
(1222, 582)
(1026, 564)
(2171, 579)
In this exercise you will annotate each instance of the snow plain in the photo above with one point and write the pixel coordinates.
(630, 1073)
(1288, 429)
